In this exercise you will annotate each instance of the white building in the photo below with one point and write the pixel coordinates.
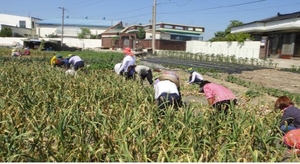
(21, 26)
(71, 27)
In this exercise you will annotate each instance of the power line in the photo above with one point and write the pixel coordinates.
(211, 8)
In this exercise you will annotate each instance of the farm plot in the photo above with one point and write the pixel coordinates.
(47, 116)
(221, 66)
(261, 76)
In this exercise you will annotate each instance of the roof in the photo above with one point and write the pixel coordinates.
(277, 17)
(166, 23)
(78, 22)
(114, 29)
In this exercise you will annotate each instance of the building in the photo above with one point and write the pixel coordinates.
(71, 27)
(21, 26)
(279, 34)
(168, 36)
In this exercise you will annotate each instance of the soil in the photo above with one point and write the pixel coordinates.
(270, 78)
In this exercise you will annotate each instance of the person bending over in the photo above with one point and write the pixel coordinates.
(290, 119)
(218, 96)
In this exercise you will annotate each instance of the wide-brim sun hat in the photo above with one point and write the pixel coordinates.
(170, 76)
(13, 50)
(127, 51)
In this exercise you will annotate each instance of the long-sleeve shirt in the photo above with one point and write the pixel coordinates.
(194, 76)
(291, 112)
(141, 69)
(127, 61)
(217, 92)
(165, 86)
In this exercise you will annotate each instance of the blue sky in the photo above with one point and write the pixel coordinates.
(213, 15)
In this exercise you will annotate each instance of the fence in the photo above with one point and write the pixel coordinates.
(248, 49)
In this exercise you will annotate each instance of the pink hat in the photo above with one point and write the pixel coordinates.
(127, 51)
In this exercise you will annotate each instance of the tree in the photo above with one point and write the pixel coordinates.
(6, 32)
(226, 35)
(85, 33)
(141, 33)
(233, 23)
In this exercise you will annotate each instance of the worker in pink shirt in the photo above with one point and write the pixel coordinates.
(218, 96)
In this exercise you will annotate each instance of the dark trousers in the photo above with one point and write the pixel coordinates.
(224, 105)
(148, 75)
(197, 80)
(77, 65)
(166, 99)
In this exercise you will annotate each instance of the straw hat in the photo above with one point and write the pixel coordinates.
(13, 50)
(172, 76)
(127, 51)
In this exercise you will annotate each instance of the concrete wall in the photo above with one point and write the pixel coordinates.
(71, 42)
(43, 30)
(248, 49)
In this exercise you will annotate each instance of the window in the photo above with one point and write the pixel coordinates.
(22, 24)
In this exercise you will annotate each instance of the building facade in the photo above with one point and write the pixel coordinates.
(71, 27)
(168, 36)
(279, 35)
(21, 26)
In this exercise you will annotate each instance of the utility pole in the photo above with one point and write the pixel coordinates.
(62, 24)
(153, 27)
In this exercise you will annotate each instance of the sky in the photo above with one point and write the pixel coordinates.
(213, 15)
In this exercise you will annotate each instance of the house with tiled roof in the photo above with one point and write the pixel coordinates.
(279, 34)
(168, 36)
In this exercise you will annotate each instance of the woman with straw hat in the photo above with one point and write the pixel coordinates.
(195, 77)
(167, 91)
(128, 64)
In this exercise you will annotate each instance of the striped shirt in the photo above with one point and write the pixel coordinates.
(217, 92)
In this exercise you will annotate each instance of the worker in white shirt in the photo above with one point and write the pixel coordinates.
(128, 64)
(195, 77)
(167, 92)
(75, 61)
(145, 72)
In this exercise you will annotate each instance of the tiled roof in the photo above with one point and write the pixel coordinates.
(78, 22)
(278, 17)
